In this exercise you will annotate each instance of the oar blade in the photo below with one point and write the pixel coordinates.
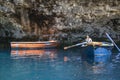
(113, 42)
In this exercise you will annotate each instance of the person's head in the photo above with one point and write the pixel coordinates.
(87, 36)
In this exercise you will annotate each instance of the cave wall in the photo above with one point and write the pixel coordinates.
(64, 20)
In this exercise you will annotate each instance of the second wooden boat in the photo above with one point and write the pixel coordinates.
(32, 45)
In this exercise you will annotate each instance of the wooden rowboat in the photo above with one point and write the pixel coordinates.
(105, 44)
(97, 52)
(32, 45)
(97, 49)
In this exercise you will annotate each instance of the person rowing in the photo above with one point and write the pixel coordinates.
(88, 39)
(83, 44)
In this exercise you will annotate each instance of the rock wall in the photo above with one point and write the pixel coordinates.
(64, 20)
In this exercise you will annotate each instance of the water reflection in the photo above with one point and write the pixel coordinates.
(98, 65)
(49, 64)
(65, 59)
(43, 53)
(101, 63)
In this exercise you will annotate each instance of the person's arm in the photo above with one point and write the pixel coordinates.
(90, 40)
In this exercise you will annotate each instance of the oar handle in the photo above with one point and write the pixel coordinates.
(65, 48)
(69, 47)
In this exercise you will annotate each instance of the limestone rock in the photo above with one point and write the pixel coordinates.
(75, 18)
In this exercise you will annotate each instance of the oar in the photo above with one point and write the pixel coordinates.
(113, 41)
(75, 45)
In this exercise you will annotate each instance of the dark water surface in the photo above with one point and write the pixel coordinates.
(57, 64)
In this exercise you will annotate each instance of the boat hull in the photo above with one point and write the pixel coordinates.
(33, 45)
(96, 54)
(95, 49)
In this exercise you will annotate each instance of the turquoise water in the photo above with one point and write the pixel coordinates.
(57, 65)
